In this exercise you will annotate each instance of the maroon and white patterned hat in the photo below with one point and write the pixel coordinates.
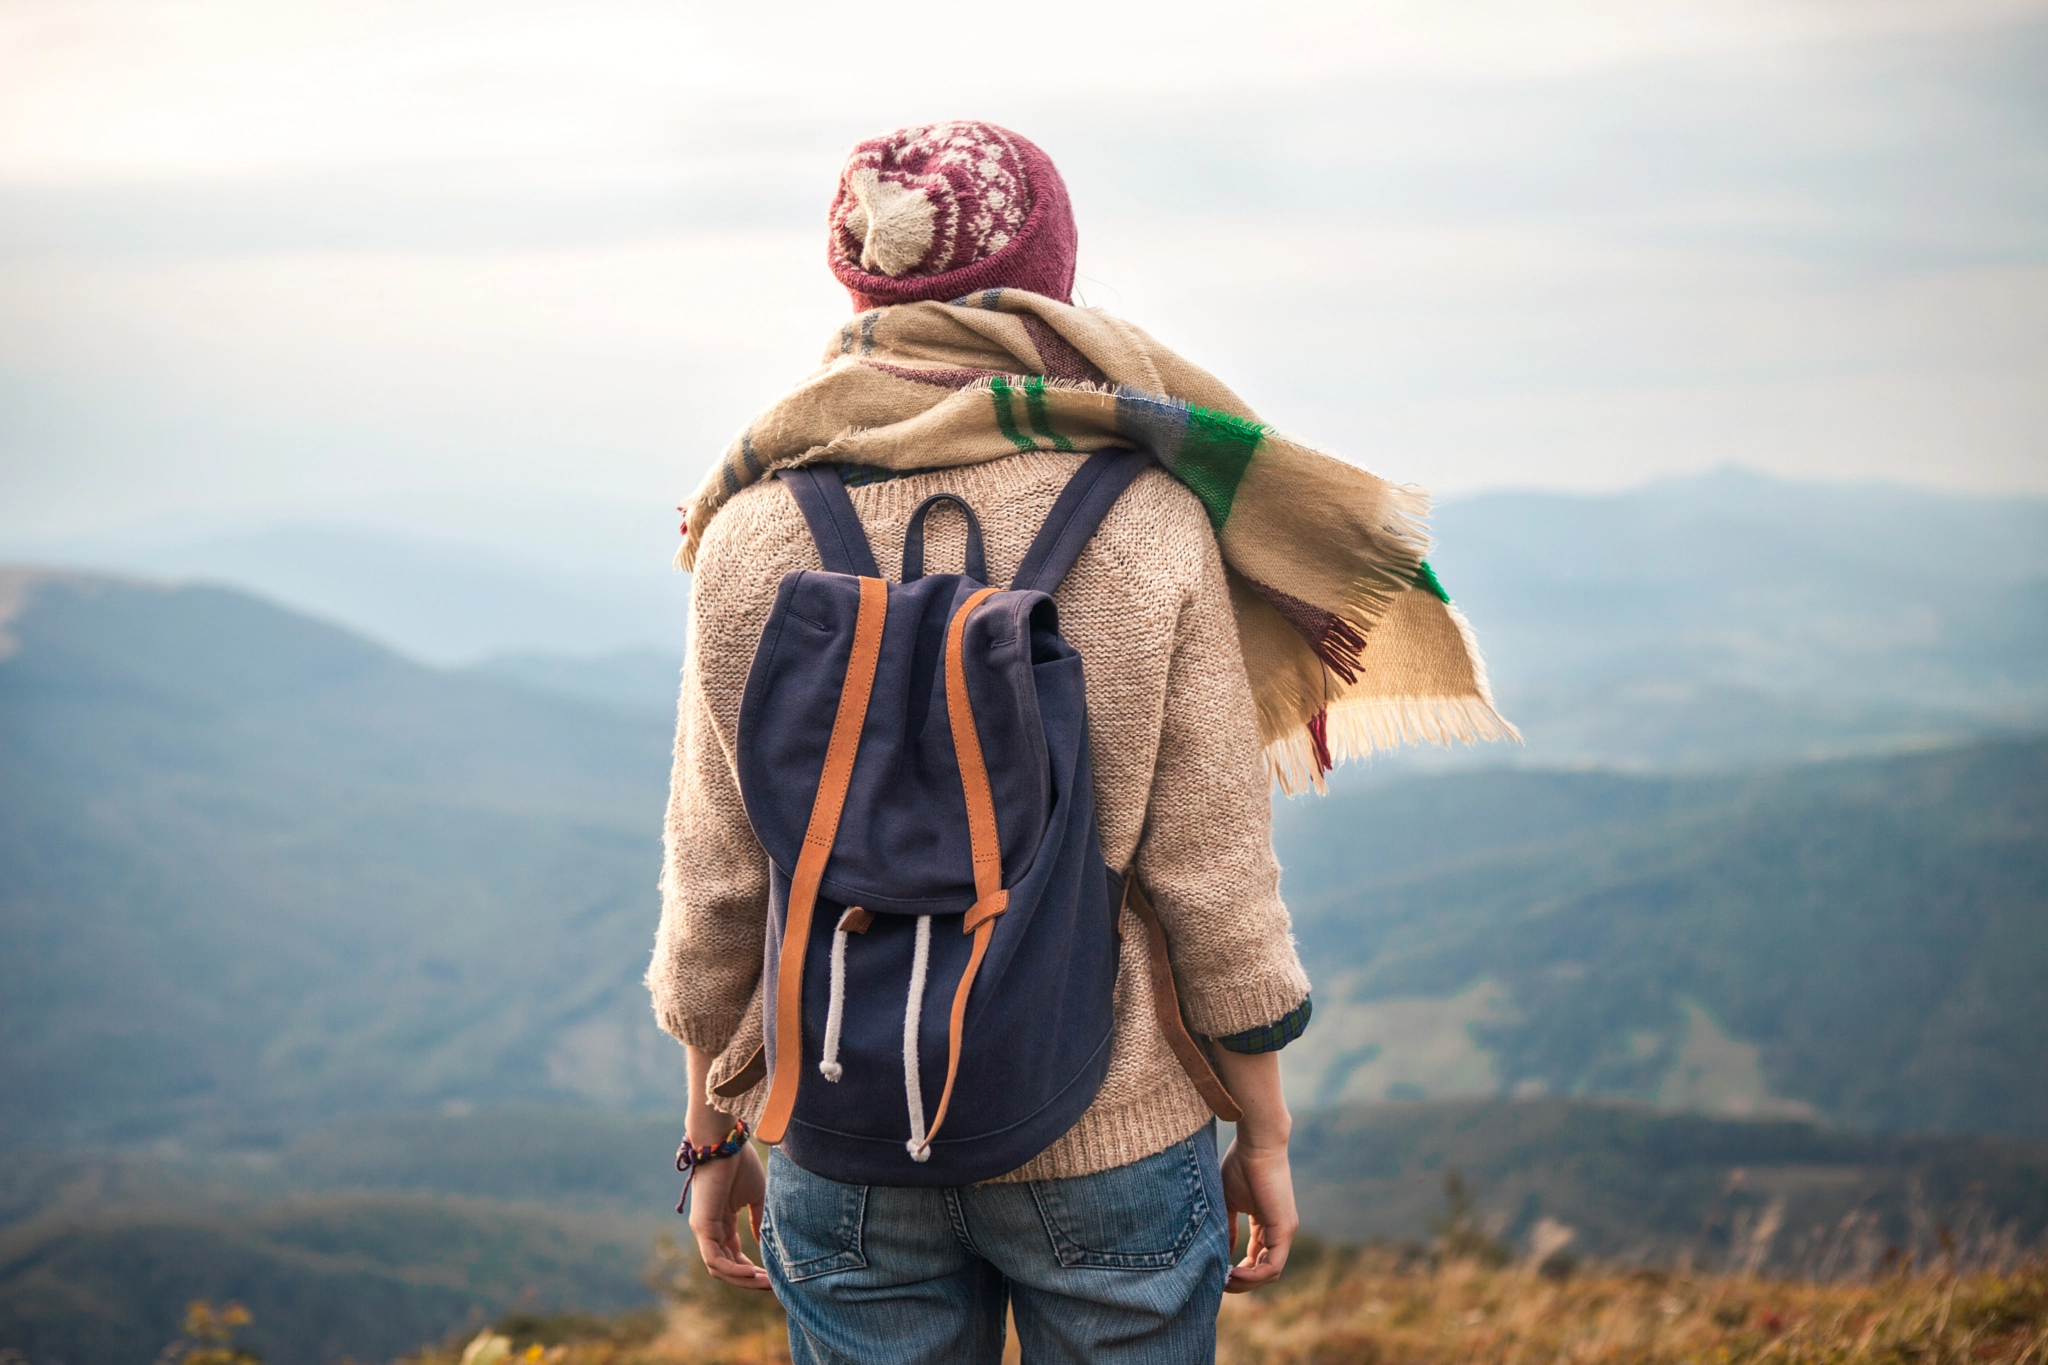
(948, 209)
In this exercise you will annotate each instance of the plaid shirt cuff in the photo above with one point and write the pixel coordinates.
(1273, 1036)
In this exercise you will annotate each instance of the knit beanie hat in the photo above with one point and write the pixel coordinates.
(947, 209)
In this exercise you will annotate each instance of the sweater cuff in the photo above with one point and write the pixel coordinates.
(1247, 1003)
(710, 1032)
(1271, 1037)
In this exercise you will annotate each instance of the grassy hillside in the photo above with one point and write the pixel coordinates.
(1864, 940)
(360, 1238)
(345, 1241)
(1637, 1185)
(1344, 1306)
(325, 1276)
(564, 1158)
(255, 871)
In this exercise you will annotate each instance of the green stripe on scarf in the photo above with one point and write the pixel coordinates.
(1034, 404)
(999, 390)
(1214, 453)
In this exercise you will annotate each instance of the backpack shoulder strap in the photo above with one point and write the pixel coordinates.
(1082, 505)
(821, 495)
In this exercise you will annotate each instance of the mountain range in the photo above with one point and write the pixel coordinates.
(258, 873)
(256, 870)
(1721, 619)
(319, 964)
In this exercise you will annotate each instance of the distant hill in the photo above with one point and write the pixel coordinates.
(1713, 622)
(439, 602)
(1865, 940)
(1740, 578)
(256, 871)
(1720, 620)
(642, 681)
(1732, 618)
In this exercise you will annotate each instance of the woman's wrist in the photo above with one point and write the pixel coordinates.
(701, 1122)
(1253, 1079)
(1265, 1135)
(709, 1128)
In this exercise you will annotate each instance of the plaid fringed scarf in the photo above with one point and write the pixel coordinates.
(1350, 641)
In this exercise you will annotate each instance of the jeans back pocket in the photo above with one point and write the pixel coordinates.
(1143, 1216)
(813, 1225)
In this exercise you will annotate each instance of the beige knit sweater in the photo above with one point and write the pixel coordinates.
(1179, 781)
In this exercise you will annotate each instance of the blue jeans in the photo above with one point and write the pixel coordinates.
(1124, 1267)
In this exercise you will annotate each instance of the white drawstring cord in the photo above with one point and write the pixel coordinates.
(829, 1066)
(919, 1149)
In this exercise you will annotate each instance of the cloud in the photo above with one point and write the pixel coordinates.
(255, 261)
(135, 88)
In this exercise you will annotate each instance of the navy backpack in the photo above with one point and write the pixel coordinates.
(942, 930)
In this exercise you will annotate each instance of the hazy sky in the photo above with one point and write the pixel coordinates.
(460, 262)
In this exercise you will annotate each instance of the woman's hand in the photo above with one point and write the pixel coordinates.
(1256, 1178)
(1257, 1182)
(719, 1192)
(720, 1189)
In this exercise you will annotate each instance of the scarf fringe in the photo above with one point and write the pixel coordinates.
(987, 384)
(1356, 729)
(1372, 595)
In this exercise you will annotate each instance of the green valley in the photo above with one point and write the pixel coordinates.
(1864, 941)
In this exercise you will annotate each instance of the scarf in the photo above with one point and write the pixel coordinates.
(1349, 640)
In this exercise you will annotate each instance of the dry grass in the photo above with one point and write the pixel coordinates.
(1370, 1308)
(1378, 1307)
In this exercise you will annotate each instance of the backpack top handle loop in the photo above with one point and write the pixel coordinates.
(913, 540)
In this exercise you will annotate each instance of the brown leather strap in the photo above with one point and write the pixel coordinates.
(817, 850)
(746, 1078)
(958, 1022)
(981, 802)
(984, 910)
(1166, 1009)
(990, 900)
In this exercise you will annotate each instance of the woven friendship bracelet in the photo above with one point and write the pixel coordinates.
(689, 1158)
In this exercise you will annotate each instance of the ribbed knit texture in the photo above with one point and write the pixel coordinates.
(945, 209)
(1180, 783)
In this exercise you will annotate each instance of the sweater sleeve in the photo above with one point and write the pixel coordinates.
(714, 880)
(1206, 856)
